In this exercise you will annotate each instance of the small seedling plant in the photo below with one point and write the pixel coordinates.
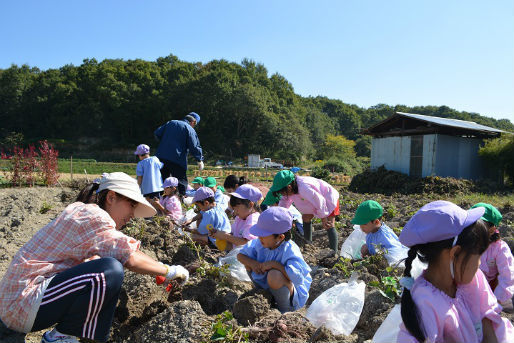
(223, 331)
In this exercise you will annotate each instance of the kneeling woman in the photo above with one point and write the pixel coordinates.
(70, 273)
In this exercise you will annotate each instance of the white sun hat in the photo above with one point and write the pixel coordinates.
(127, 186)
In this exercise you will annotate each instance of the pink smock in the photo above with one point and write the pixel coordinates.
(314, 196)
(173, 206)
(241, 227)
(497, 262)
(458, 319)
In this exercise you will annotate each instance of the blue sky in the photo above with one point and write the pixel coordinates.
(458, 53)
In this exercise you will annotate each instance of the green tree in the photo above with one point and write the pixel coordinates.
(499, 155)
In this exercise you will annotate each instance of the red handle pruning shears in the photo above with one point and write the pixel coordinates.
(160, 280)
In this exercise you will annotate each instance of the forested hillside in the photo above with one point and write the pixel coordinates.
(118, 104)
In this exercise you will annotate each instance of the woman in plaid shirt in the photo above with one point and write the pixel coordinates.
(70, 273)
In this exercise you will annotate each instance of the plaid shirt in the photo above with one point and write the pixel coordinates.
(79, 232)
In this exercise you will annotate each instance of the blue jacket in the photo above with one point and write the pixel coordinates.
(178, 138)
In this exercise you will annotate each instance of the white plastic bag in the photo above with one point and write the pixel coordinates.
(351, 247)
(396, 255)
(417, 268)
(339, 307)
(237, 269)
(390, 328)
(190, 214)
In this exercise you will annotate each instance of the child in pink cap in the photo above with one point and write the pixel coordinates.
(245, 202)
(451, 301)
(497, 263)
(169, 203)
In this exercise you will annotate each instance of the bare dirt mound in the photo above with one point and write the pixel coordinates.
(196, 311)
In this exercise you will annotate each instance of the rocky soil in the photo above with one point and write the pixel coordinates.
(148, 313)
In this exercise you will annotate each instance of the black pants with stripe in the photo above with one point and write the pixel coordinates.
(82, 299)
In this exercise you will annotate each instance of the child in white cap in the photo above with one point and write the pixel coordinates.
(245, 203)
(148, 172)
(275, 262)
(451, 301)
(169, 203)
(212, 218)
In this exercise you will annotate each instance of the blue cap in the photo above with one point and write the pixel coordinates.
(203, 193)
(274, 220)
(196, 116)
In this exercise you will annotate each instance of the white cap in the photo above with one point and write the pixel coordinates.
(127, 186)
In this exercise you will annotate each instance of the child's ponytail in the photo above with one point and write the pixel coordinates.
(409, 310)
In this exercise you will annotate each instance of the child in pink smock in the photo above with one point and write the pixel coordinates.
(245, 201)
(169, 204)
(313, 198)
(497, 263)
(451, 301)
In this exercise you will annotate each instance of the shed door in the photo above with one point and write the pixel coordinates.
(416, 156)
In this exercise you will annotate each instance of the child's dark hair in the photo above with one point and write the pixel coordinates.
(287, 235)
(294, 186)
(474, 239)
(495, 236)
(232, 181)
(88, 194)
(234, 201)
(209, 199)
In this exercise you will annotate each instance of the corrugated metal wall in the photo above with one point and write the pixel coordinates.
(391, 152)
(442, 156)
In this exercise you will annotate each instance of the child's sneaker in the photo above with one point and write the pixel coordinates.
(59, 339)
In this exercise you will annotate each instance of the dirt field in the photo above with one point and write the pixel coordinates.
(147, 313)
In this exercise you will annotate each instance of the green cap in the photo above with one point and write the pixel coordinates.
(221, 188)
(491, 214)
(270, 199)
(198, 179)
(367, 211)
(209, 182)
(282, 179)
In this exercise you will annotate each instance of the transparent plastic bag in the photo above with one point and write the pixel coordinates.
(390, 328)
(339, 307)
(190, 214)
(351, 247)
(237, 269)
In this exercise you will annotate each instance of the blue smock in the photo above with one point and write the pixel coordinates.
(150, 170)
(178, 138)
(289, 255)
(386, 239)
(217, 218)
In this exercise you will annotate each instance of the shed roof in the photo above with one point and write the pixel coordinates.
(408, 124)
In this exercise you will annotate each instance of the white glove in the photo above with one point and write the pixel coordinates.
(200, 165)
(177, 272)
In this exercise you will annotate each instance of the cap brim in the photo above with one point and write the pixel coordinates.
(474, 214)
(237, 195)
(144, 209)
(259, 232)
(357, 221)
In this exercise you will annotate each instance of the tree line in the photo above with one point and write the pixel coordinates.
(119, 103)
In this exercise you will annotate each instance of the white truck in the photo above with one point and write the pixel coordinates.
(254, 161)
(268, 163)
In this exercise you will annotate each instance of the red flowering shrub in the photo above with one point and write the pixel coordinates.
(48, 164)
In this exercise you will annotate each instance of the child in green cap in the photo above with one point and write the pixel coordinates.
(378, 235)
(313, 198)
(219, 197)
(497, 262)
(197, 183)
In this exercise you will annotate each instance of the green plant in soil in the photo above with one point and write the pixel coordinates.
(136, 228)
(222, 330)
(45, 207)
(344, 265)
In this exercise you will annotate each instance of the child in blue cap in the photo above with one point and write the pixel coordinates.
(451, 301)
(275, 262)
(148, 171)
(213, 217)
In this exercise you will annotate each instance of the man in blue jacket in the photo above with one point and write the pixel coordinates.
(178, 138)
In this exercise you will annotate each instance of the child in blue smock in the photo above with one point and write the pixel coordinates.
(275, 262)
(378, 234)
(148, 172)
(219, 197)
(212, 217)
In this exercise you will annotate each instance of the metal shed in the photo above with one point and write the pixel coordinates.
(420, 145)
